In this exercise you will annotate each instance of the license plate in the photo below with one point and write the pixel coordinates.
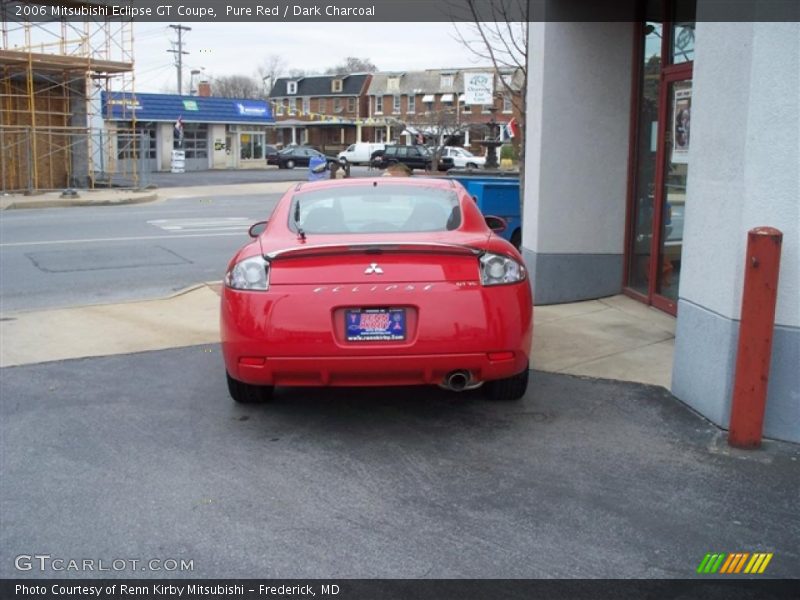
(375, 324)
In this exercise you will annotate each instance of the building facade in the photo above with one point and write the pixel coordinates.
(651, 149)
(214, 133)
(430, 105)
(326, 111)
(48, 82)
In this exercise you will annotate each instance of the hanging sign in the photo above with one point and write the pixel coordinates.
(478, 88)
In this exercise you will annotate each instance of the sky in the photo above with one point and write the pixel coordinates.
(239, 48)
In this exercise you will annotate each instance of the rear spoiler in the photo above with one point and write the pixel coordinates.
(374, 248)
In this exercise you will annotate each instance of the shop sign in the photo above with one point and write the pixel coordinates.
(248, 109)
(478, 88)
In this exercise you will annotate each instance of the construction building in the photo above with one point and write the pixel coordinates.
(52, 73)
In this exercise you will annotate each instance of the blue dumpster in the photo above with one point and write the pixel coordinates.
(499, 197)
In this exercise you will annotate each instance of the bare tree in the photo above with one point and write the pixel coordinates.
(236, 86)
(270, 70)
(352, 64)
(439, 125)
(503, 41)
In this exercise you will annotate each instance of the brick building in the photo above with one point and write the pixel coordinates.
(430, 104)
(326, 111)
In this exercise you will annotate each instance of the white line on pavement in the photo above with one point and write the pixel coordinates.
(121, 239)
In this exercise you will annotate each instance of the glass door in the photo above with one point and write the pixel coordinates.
(644, 162)
(659, 164)
(677, 138)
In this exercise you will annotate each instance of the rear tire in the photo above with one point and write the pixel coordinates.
(244, 393)
(510, 388)
(290, 164)
(472, 166)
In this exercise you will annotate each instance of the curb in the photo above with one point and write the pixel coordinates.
(181, 292)
(18, 204)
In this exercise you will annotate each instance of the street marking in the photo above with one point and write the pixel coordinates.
(203, 224)
(120, 239)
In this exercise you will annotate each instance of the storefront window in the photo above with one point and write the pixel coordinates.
(251, 145)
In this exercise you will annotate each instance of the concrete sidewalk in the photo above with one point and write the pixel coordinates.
(613, 338)
(116, 197)
(100, 197)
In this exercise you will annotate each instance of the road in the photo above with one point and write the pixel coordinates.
(53, 258)
(89, 255)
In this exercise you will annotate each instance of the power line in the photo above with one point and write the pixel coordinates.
(179, 53)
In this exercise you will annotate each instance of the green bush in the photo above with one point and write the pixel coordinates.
(508, 151)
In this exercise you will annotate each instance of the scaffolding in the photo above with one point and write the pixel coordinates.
(52, 73)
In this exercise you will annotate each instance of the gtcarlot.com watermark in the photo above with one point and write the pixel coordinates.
(49, 563)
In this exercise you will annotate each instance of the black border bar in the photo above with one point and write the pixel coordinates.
(712, 588)
(375, 11)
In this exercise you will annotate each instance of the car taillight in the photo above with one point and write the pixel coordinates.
(249, 274)
(497, 269)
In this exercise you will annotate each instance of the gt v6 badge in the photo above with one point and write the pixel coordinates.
(373, 268)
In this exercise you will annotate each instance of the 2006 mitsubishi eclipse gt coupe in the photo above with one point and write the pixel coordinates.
(376, 282)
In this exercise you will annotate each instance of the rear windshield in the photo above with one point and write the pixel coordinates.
(383, 208)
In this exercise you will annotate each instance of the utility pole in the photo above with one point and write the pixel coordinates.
(179, 53)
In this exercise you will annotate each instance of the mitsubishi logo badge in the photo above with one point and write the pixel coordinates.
(373, 268)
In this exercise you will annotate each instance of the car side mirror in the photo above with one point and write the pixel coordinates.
(496, 224)
(256, 229)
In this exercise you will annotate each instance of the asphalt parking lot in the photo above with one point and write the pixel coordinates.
(144, 456)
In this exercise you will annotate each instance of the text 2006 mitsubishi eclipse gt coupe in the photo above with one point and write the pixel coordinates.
(376, 282)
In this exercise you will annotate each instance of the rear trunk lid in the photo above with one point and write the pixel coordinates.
(373, 263)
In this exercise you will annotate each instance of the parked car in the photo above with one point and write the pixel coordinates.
(360, 152)
(299, 156)
(379, 282)
(271, 154)
(414, 157)
(270, 150)
(463, 158)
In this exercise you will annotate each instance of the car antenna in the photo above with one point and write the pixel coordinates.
(300, 233)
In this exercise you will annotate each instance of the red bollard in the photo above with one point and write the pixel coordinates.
(755, 337)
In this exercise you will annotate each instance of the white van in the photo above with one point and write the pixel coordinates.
(360, 153)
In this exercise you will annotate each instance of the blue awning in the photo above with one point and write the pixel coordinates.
(120, 106)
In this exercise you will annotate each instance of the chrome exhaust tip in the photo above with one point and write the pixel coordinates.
(457, 381)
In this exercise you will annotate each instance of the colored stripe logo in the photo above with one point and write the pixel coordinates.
(734, 563)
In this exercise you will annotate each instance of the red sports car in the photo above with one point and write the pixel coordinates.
(371, 282)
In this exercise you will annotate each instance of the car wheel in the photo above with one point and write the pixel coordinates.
(246, 393)
(290, 164)
(516, 239)
(510, 388)
(472, 166)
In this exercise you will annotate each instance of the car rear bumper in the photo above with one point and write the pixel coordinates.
(295, 335)
(372, 371)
